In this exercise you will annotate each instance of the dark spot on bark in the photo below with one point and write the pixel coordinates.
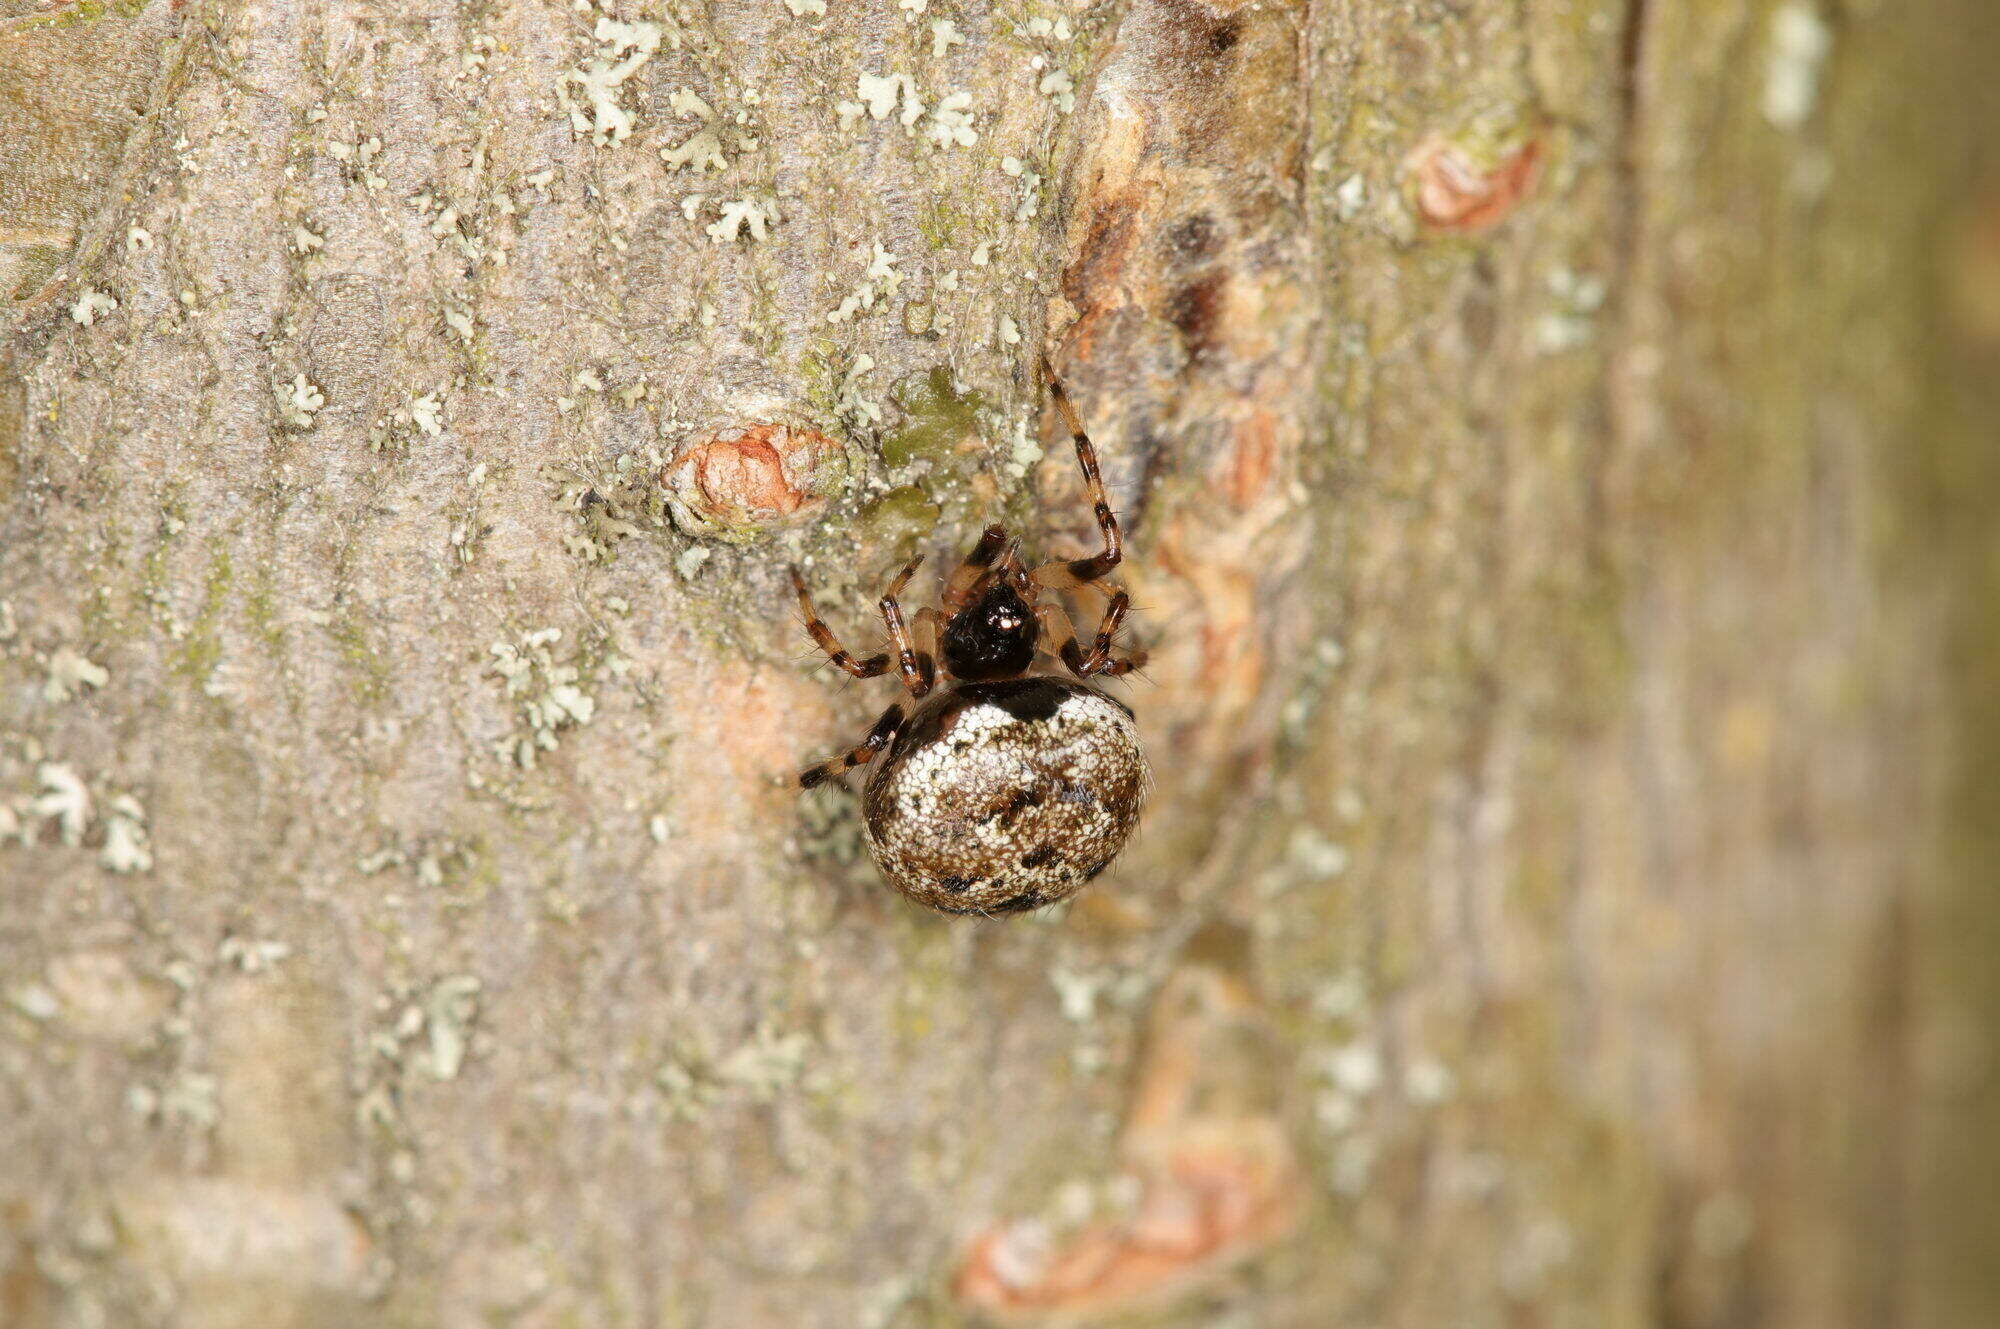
(1195, 43)
(1194, 239)
(1155, 456)
(1014, 904)
(1039, 858)
(1194, 309)
(956, 885)
(1479, 312)
(1100, 258)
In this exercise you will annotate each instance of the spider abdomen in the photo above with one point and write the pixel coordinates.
(1005, 796)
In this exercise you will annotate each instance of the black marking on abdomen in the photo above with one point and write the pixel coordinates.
(1021, 698)
(1017, 803)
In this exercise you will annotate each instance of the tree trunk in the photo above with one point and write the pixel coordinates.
(1554, 491)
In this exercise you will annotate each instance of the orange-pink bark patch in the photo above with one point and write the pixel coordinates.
(1217, 1183)
(758, 472)
(1456, 191)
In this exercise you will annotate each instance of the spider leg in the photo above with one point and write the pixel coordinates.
(918, 667)
(1059, 636)
(972, 569)
(1134, 659)
(1060, 639)
(823, 636)
(1099, 660)
(878, 738)
(1066, 574)
(924, 631)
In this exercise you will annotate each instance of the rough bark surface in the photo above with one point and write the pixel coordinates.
(1553, 485)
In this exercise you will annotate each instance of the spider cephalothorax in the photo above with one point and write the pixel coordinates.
(1004, 790)
(994, 637)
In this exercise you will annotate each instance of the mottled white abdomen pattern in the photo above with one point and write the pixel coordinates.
(1000, 797)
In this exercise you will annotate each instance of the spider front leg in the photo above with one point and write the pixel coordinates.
(972, 569)
(924, 632)
(916, 658)
(1059, 636)
(1117, 667)
(822, 636)
(1066, 574)
(878, 738)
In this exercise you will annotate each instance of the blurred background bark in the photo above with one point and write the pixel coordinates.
(1556, 442)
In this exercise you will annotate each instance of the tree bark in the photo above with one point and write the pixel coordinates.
(1554, 488)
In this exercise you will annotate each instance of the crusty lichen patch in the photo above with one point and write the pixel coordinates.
(549, 694)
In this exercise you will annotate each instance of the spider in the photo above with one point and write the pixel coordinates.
(1004, 789)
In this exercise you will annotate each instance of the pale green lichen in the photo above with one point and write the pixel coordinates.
(766, 1065)
(830, 830)
(449, 1011)
(853, 405)
(70, 673)
(880, 282)
(65, 799)
(91, 306)
(1800, 43)
(191, 1098)
(34, 1001)
(125, 837)
(545, 692)
(623, 48)
(755, 215)
(702, 151)
(299, 402)
(1572, 324)
(252, 956)
(685, 1094)
(421, 415)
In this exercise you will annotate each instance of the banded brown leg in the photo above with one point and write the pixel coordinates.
(1059, 639)
(918, 666)
(973, 568)
(1066, 574)
(878, 738)
(924, 632)
(1059, 636)
(822, 636)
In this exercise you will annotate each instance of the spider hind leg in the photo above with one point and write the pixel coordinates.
(878, 738)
